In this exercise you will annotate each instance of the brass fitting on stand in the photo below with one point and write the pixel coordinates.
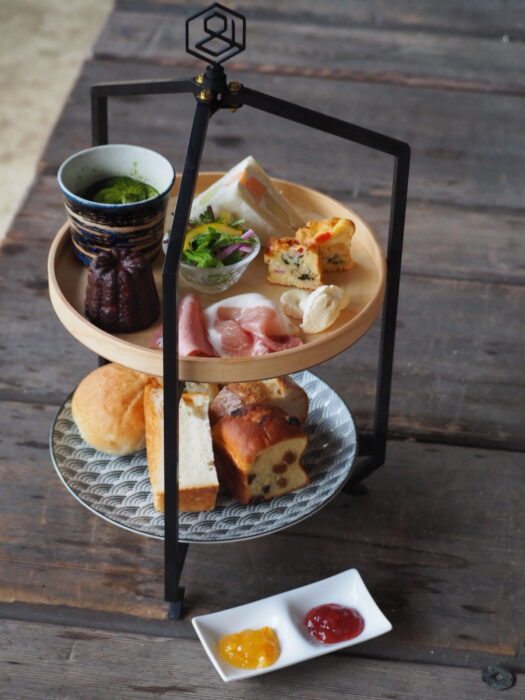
(234, 87)
(205, 95)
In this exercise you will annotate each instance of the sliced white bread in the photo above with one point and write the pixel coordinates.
(246, 192)
(198, 484)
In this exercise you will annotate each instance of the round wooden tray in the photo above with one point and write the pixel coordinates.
(365, 283)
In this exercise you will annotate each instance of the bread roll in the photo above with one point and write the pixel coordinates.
(281, 392)
(108, 409)
(258, 453)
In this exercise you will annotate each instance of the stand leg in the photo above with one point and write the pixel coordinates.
(356, 489)
(175, 606)
(101, 92)
(175, 551)
(374, 447)
(373, 450)
(364, 465)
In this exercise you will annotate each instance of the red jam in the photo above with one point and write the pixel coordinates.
(332, 623)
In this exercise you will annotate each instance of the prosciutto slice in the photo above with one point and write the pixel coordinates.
(248, 325)
(234, 341)
(193, 338)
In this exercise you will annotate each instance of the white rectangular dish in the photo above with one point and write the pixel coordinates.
(285, 613)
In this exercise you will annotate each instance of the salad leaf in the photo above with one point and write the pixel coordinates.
(237, 223)
(211, 242)
(234, 257)
(201, 258)
(206, 217)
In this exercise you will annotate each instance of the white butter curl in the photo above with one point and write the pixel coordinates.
(319, 309)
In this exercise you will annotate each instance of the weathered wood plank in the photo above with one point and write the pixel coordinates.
(57, 661)
(447, 241)
(439, 538)
(447, 386)
(39, 359)
(490, 18)
(444, 561)
(341, 51)
(39, 217)
(440, 240)
(459, 157)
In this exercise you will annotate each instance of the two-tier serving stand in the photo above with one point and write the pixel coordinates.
(222, 35)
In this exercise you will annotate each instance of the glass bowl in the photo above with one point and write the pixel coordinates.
(210, 280)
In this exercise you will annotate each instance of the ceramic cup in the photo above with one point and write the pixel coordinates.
(95, 227)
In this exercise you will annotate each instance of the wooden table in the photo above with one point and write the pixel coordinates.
(438, 533)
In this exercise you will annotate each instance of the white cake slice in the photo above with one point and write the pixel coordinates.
(247, 193)
(198, 484)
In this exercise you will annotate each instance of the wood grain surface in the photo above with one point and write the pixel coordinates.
(458, 376)
(458, 157)
(344, 50)
(438, 534)
(443, 561)
(485, 18)
(441, 240)
(71, 662)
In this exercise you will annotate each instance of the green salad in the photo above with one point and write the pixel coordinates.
(217, 241)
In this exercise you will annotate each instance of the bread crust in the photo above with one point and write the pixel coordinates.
(107, 407)
(154, 444)
(241, 438)
(251, 430)
(192, 498)
(281, 392)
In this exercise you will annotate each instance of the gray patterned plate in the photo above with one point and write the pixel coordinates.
(118, 489)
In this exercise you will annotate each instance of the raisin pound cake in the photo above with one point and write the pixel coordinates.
(293, 263)
(258, 451)
(282, 392)
(333, 238)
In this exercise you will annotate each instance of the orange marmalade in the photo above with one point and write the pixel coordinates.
(250, 648)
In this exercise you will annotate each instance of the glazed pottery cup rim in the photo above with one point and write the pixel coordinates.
(116, 148)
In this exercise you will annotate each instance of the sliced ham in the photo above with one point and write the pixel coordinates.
(259, 320)
(193, 338)
(234, 341)
(248, 325)
(276, 343)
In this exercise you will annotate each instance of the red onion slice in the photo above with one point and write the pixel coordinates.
(228, 250)
(244, 247)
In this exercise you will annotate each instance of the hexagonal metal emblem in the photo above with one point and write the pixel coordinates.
(215, 34)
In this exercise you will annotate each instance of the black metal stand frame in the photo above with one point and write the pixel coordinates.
(212, 92)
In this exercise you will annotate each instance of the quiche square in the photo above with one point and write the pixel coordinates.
(333, 238)
(293, 264)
